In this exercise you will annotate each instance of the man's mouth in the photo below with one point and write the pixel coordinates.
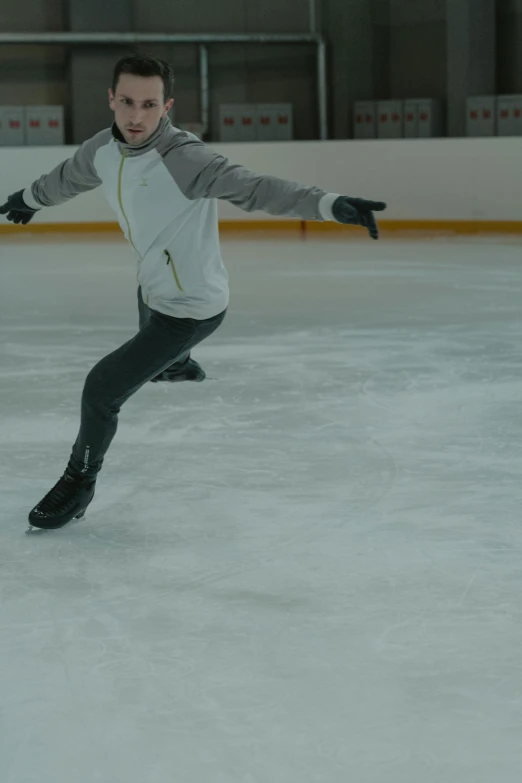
(134, 130)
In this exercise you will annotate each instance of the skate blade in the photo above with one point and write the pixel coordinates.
(36, 531)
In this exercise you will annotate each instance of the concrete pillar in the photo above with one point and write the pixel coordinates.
(471, 66)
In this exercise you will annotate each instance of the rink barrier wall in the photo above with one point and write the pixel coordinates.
(460, 186)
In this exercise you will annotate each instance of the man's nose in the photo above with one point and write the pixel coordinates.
(137, 116)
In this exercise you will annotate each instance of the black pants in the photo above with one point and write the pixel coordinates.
(161, 342)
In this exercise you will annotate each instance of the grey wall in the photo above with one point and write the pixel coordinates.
(383, 49)
(90, 68)
(376, 49)
(471, 48)
(238, 74)
(348, 29)
(509, 46)
(225, 16)
(32, 74)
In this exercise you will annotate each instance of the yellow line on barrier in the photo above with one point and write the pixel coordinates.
(61, 228)
(299, 227)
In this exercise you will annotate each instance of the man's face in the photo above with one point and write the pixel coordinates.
(138, 106)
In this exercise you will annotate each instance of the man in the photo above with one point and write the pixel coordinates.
(163, 184)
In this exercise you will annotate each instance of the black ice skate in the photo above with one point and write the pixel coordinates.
(190, 371)
(66, 501)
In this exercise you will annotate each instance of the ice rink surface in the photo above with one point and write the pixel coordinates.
(308, 568)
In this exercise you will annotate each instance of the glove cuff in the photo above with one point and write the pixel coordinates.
(29, 199)
(325, 206)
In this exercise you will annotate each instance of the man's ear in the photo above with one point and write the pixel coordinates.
(168, 107)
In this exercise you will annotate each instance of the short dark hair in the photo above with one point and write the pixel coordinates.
(146, 66)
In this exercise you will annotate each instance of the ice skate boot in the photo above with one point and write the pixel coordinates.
(189, 371)
(67, 500)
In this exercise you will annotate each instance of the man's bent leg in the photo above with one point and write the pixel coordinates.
(119, 375)
(184, 368)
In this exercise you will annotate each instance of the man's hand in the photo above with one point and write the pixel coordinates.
(17, 210)
(358, 212)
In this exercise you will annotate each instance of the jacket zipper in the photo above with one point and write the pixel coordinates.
(120, 202)
(171, 262)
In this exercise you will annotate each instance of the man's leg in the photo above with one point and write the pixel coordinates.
(108, 385)
(184, 368)
(161, 341)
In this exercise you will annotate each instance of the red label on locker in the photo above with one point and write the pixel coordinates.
(396, 117)
(14, 123)
(264, 120)
(423, 116)
(504, 114)
(34, 123)
(486, 114)
(282, 120)
(473, 115)
(369, 118)
(516, 113)
(384, 118)
(247, 120)
(54, 124)
(358, 119)
(228, 121)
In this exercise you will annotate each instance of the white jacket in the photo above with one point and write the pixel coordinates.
(164, 195)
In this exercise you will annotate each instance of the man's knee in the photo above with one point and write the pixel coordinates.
(93, 386)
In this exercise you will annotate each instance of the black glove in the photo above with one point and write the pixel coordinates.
(17, 210)
(358, 212)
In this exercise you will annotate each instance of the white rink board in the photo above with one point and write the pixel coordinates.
(421, 179)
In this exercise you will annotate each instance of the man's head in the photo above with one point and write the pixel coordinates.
(141, 95)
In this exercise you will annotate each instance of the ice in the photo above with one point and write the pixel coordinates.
(306, 569)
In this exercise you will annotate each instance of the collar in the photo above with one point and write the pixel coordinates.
(148, 145)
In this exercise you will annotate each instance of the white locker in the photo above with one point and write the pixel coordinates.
(256, 122)
(411, 119)
(365, 120)
(422, 118)
(283, 121)
(247, 125)
(509, 115)
(237, 122)
(274, 122)
(44, 126)
(228, 122)
(12, 126)
(430, 118)
(390, 119)
(481, 115)
(265, 122)
(193, 127)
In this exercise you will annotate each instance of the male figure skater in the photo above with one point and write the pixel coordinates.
(163, 184)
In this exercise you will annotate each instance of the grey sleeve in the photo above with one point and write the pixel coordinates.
(200, 172)
(75, 175)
